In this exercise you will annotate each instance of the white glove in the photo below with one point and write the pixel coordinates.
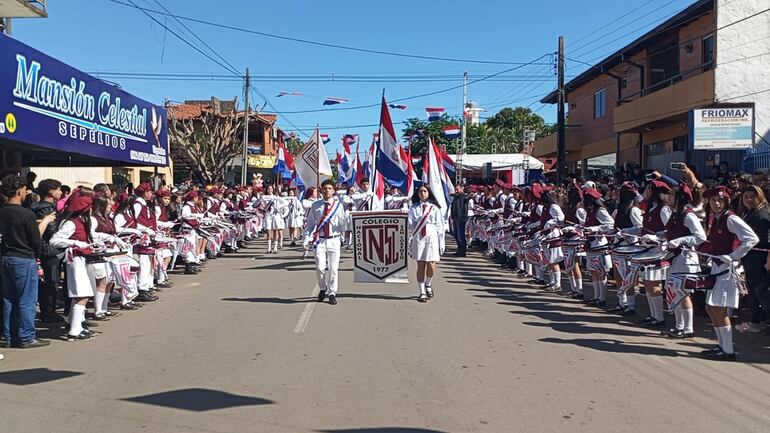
(653, 239)
(150, 232)
(674, 243)
(80, 244)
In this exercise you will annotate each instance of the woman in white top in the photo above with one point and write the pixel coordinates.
(598, 222)
(426, 244)
(295, 217)
(274, 223)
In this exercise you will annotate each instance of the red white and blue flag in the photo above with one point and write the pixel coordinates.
(347, 163)
(325, 138)
(434, 113)
(451, 132)
(334, 101)
(397, 106)
(284, 93)
(284, 163)
(392, 160)
(435, 177)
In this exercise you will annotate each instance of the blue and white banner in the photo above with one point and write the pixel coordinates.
(722, 128)
(46, 103)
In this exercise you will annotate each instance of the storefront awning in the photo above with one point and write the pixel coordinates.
(261, 161)
(56, 115)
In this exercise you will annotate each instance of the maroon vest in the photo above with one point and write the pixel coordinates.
(146, 217)
(105, 225)
(163, 216)
(675, 227)
(652, 220)
(721, 241)
(591, 219)
(533, 216)
(545, 216)
(81, 232)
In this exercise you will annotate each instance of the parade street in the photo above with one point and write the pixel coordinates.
(245, 347)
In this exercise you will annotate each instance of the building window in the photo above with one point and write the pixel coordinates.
(624, 83)
(708, 52)
(600, 103)
(680, 143)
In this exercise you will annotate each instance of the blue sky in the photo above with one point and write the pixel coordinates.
(99, 35)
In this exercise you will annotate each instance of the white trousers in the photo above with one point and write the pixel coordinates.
(327, 264)
(145, 274)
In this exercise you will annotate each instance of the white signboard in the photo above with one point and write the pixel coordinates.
(379, 240)
(722, 128)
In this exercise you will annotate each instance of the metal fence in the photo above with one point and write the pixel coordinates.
(755, 158)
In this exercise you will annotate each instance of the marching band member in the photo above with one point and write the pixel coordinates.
(535, 210)
(295, 217)
(395, 200)
(164, 222)
(729, 238)
(550, 220)
(426, 243)
(654, 221)
(274, 223)
(105, 227)
(325, 223)
(144, 220)
(576, 215)
(77, 235)
(364, 199)
(683, 229)
(598, 222)
(192, 216)
(626, 216)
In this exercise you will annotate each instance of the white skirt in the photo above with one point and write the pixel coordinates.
(554, 255)
(99, 270)
(653, 273)
(296, 221)
(725, 292)
(79, 280)
(274, 222)
(426, 248)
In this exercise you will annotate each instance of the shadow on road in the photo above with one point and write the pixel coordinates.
(198, 400)
(273, 300)
(382, 430)
(34, 376)
(371, 296)
(617, 346)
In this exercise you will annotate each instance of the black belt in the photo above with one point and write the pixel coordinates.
(329, 237)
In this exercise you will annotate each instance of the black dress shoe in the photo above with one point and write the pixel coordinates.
(628, 312)
(617, 310)
(128, 307)
(645, 321)
(31, 344)
(321, 295)
(600, 303)
(422, 298)
(711, 350)
(83, 336)
(332, 300)
(721, 355)
(429, 291)
(656, 324)
(681, 334)
(591, 301)
(145, 297)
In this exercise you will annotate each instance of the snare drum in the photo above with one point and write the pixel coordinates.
(579, 246)
(654, 264)
(629, 250)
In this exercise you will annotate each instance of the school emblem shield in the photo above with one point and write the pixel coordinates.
(380, 240)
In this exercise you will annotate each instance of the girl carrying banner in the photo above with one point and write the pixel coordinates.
(426, 243)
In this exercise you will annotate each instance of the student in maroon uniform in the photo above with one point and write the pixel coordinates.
(729, 238)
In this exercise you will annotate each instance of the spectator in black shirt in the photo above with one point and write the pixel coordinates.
(18, 268)
(459, 214)
(50, 193)
(757, 262)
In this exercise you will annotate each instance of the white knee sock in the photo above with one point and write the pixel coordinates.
(106, 302)
(280, 242)
(631, 301)
(76, 319)
(678, 318)
(429, 281)
(98, 302)
(687, 319)
(572, 283)
(269, 245)
(600, 290)
(727, 338)
(556, 279)
(622, 299)
(579, 282)
(422, 288)
(657, 303)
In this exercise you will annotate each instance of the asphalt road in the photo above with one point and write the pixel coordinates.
(243, 347)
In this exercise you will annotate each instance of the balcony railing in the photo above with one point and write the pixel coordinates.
(668, 82)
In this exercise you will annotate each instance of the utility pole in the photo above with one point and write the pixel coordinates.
(561, 132)
(246, 89)
(463, 138)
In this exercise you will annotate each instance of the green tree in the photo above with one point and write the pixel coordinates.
(434, 130)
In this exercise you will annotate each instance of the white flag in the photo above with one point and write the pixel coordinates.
(312, 162)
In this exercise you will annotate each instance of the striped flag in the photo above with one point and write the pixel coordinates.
(325, 138)
(397, 106)
(434, 113)
(334, 101)
(452, 132)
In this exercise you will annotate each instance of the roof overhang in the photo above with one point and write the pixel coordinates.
(23, 9)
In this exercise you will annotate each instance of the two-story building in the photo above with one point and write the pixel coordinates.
(262, 141)
(634, 105)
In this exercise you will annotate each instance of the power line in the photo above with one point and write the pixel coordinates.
(611, 22)
(408, 98)
(309, 42)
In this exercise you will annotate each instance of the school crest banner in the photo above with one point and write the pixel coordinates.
(380, 242)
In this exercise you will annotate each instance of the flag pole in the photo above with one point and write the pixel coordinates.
(318, 157)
